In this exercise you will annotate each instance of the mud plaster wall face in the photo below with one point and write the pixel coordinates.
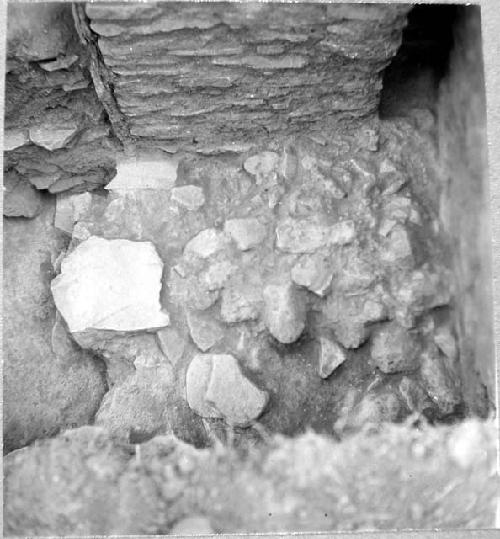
(305, 275)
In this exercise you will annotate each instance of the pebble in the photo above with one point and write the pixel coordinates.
(314, 273)
(301, 236)
(438, 381)
(190, 197)
(398, 246)
(375, 409)
(332, 355)
(172, 344)
(205, 331)
(206, 243)
(240, 303)
(445, 341)
(246, 233)
(394, 349)
(262, 165)
(284, 312)
(110, 284)
(216, 387)
(216, 276)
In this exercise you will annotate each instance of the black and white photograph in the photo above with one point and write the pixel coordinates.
(247, 269)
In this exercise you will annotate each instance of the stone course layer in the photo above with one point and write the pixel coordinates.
(225, 74)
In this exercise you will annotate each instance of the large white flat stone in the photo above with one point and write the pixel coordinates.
(110, 284)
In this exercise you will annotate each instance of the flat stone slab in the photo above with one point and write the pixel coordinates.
(145, 172)
(110, 284)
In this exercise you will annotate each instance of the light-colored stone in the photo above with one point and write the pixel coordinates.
(398, 246)
(438, 381)
(53, 137)
(197, 379)
(446, 342)
(240, 303)
(110, 284)
(172, 344)
(206, 243)
(14, 138)
(236, 397)
(246, 233)
(69, 209)
(204, 329)
(284, 312)
(332, 355)
(342, 233)
(314, 273)
(216, 276)
(262, 165)
(392, 178)
(414, 395)
(145, 172)
(190, 197)
(301, 236)
(351, 333)
(216, 388)
(20, 198)
(61, 63)
(395, 349)
(375, 409)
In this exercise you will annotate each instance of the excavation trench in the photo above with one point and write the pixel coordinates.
(263, 218)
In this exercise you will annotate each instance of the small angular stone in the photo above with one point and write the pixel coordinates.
(172, 344)
(52, 137)
(69, 209)
(376, 409)
(240, 303)
(342, 233)
(216, 388)
(438, 381)
(61, 63)
(20, 198)
(394, 349)
(197, 379)
(234, 396)
(218, 274)
(246, 233)
(331, 356)
(207, 243)
(301, 236)
(14, 138)
(350, 333)
(204, 329)
(314, 273)
(262, 165)
(190, 197)
(398, 246)
(446, 342)
(284, 312)
(110, 284)
(414, 395)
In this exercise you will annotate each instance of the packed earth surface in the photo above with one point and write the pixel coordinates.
(225, 226)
